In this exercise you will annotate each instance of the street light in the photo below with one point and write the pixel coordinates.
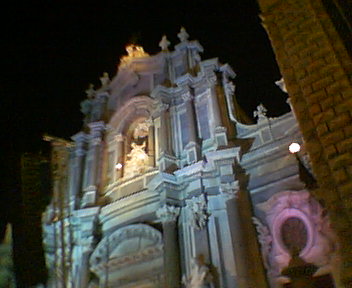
(304, 174)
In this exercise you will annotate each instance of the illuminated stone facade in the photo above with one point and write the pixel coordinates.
(164, 187)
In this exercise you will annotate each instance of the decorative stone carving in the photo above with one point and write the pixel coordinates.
(200, 276)
(315, 239)
(141, 130)
(199, 208)
(160, 107)
(136, 51)
(187, 96)
(133, 51)
(149, 122)
(168, 213)
(260, 113)
(229, 189)
(164, 43)
(137, 161)
(183, 35)
(265, 240)
(144, 243)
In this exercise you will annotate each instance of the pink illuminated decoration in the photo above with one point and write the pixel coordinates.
(295, 221)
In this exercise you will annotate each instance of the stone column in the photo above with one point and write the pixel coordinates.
(80, 152)
(168, 217)
(120, 145)
(198, 212)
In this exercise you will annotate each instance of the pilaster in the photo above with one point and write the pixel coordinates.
(93, 179)
(166, 157)
(81, 140)
(168, 216)
(192, 149)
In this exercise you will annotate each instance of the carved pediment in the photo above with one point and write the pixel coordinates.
(127, 246)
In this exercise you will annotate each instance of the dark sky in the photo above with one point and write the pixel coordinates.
(54, 49)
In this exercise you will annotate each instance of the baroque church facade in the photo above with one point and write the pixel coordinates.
(167, 186)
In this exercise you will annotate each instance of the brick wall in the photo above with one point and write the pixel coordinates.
(317, 70)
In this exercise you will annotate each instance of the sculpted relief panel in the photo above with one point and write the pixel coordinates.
(136, 248)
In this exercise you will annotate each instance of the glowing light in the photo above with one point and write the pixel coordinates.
(135, 51)
(142, 156)
(294, 147)
(118, 166)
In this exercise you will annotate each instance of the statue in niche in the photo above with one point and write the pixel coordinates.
(200, 276)
(137, 160)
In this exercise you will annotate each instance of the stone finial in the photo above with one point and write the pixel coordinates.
(105, 80)
(164, 43)
(183, 35)
(90, 91)
(260, 112)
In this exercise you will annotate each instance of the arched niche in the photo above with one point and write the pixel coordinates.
(135, 151)
(128, 255)
(294, 220)
(136, 107)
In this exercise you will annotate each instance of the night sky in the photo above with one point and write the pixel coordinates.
(52, 50)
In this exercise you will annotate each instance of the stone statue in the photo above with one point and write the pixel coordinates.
(200, 276)
(137, 161)
(260, 113)
(105, 80)
(183, 35)
(164, 43)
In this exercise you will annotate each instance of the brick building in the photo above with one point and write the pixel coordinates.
(312, 44)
